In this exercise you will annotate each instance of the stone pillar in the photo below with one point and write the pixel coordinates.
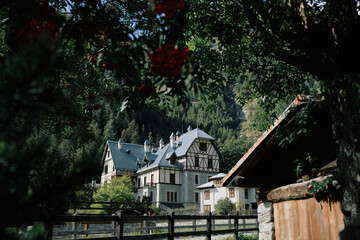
(266, 221)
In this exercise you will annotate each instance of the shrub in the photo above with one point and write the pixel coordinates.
(119, 190)
(224, 206)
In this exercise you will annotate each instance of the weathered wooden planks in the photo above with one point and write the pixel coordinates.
(307, 219)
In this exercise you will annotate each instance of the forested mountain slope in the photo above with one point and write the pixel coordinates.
(234, 127)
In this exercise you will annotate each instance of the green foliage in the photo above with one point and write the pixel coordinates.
(240, 206)
(243, 236)
(118, 190)
(224, 206)
(329, 187)
(154, 209)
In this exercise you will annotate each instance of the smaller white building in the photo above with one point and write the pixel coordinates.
(212, 191)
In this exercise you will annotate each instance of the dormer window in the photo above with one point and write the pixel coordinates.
(203, 147)
(172, 160)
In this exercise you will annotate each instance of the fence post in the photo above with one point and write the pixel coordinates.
(147, 206)
(213, 224)
(171, 226)
(244, 223)
(208, 226)
(236, 226)
(86, 227)
(120, 227)
(229, 221)
(194, 224)
(114, 225)
(111, 207)
(74, 207)
(74, 226)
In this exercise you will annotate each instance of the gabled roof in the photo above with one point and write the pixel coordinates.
(206, 185)
(129, 155)
(163, 160)
(126, 157)
(188, 138)
(217, 176)
(267, 165)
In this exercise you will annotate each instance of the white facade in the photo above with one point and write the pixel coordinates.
(168, 175)
(212, 192)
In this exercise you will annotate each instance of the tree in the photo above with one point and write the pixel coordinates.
(118, 190)
(286, 46)
(59, 60)
(224, 206)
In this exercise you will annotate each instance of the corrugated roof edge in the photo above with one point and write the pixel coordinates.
(299, 100)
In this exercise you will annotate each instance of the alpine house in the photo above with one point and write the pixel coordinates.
(169, 174)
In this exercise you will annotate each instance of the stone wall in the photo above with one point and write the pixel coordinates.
(266, 221)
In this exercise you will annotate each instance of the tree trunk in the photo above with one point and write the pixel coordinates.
(344, 107)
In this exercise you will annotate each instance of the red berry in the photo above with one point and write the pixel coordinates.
(96, 107)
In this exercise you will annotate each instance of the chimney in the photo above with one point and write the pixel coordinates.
(189, 128)
(161, 143)
(120, 144)
(177, 135)
(172, 140)
(147, 146)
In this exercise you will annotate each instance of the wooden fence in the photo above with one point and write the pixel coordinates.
(118, 220)
(111, 206)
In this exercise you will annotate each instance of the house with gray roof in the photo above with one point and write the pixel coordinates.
(212, 191)
(168, 174)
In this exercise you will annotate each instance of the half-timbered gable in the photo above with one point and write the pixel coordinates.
(203, 156)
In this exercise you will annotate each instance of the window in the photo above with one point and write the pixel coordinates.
(231, 193)
(152, 179)
(196, 179)
(207, 195)
(172, 160)
(203, 147)
(171, 196)
(196, 197)
(151, 196)
(207, 208)
(253, 205)
(247, 206)
(246, 191)
(172, 178)
(144, 181)
(106, 169)
(138, 182)
(196, 161)
(210, 163)
(108, 153)
(113, 168)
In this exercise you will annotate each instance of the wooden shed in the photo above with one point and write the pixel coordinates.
(286, 209)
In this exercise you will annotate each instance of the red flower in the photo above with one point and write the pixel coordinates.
(168, 61)
(168, 7)
(310, 187)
